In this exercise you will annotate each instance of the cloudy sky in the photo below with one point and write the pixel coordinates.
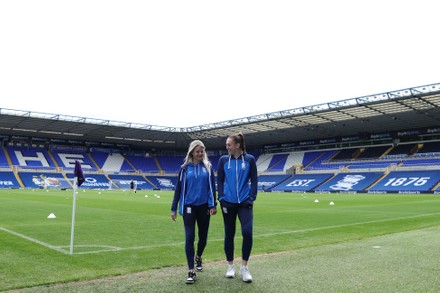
(186, 63)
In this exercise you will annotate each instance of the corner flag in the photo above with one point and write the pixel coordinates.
(78, 179)
(78, 173)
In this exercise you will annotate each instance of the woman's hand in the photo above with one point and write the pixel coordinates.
(212, 211)
(173, 216)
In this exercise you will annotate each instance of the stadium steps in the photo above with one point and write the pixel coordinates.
(417, 148)
(110, 181)
(113, 183)
(94, 163)
(402, 149)
(131, 164)
(280, 159)
(67, 179)
(53, 159)
(357, 153)
(387, 151)
(430, 147)
(318, 158)
(329, 159)
(325, 181)
(18, 179)
(281, 182)
(158, 165)
(8, 158)
(436, 186)
(149, 181)
(377, 181)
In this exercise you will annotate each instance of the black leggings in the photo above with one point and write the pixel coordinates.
(191, 216)
(244, 211)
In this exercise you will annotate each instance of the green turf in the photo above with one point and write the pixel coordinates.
(118, 233)
(399, 262)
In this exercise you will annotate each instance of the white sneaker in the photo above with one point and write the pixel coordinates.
(191, 278)
(230, 273)
(245, 274)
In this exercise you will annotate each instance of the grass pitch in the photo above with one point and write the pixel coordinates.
(132, 236)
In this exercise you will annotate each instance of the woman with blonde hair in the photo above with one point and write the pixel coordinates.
(195, 195)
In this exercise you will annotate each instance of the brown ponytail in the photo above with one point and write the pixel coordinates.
(239, 138)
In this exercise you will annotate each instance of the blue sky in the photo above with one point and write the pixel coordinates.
(187, 63)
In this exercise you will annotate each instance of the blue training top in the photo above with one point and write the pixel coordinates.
(196, 186)
(237, 178)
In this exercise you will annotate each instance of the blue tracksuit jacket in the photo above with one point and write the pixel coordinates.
(237, 179)
(196, 186)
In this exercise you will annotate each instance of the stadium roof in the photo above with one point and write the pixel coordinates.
(417, 107)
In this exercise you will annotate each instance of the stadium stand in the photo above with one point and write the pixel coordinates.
(268, 182)
(422, 162)
(66, 160)
(263, 162)
(93, 181)
(30, 158)
(350, 182)
(408, 182)
(373, 152)
(123, 182)
(430, 148)
(326, 155)
(3, 160)
(108, 163)
(8, 180)
(303, 182)
(277, 163)
(170, 164)
(402, 150)
(373, 164)
(44, 180)
(294, 161)
(317, 160)
(140, 163)
(273, 178)
(164, 182)
(346, 154)
(214, 160)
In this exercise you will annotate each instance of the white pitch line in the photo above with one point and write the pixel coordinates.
(285, 232)
(344, 225)
(379, 212)
(112, 249)
(109, 248)
(57, 248)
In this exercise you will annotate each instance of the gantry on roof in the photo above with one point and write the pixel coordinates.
(416, 107)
